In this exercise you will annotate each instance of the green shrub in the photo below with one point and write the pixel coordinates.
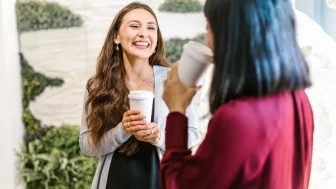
(174, 46)
(39, 133)
(33, 84)
(54, 161)
(51, 157)
(182, 6)
(31, 123)
(37, 15)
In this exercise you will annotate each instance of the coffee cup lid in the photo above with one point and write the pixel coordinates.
(199, 51)
(140, 94)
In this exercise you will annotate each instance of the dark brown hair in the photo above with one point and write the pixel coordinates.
(255, 50)
(107, 90)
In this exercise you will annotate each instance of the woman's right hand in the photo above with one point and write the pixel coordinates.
(173, 87)
(133, 118)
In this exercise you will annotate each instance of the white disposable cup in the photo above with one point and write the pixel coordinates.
(142, 100)
(195, 60)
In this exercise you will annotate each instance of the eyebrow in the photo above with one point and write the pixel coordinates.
(140, 22)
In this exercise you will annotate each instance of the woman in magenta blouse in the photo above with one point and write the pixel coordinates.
(261, 132)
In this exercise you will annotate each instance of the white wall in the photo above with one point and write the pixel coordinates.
(328, 19)
(293, 2)
(320, 13)
(306, 6)
(10, 95)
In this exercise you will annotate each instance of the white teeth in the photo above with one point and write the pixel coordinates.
(141, 44)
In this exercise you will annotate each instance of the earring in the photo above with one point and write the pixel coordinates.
(154, 52)
(117, 47)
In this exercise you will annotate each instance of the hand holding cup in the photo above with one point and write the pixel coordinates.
(196, 58)
(176, 95)
(182, 81)
(133, 118)
(147, 133)
(135, 123)
(143, 102)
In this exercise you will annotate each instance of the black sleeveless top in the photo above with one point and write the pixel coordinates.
(139, 171)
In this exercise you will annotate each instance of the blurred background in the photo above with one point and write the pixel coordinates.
(48, 50)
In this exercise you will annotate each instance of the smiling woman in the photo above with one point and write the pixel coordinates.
(129, 148)
(137, 35)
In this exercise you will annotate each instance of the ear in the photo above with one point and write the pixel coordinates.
(116, 39)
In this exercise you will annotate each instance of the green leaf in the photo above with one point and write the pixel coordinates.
(181, 6)
(55, 161)
(37, 15)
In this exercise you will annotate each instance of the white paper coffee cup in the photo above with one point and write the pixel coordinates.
(195, 60)
(142, 100)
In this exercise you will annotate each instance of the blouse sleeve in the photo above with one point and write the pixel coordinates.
(193, 132)
(217, 161)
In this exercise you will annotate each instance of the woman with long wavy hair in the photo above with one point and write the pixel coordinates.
(129, 149)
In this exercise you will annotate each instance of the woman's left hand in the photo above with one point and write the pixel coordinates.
(176, 95)
(147, 133)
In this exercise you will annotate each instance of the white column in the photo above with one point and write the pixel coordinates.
(310, 7)
(11, 126)
(319, 11)
(306, 6)
(328, 18)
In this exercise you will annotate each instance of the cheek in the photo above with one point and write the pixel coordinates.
(127, 36)
(209, 39)
(154, 40)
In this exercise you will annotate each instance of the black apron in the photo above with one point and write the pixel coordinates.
(139, 171)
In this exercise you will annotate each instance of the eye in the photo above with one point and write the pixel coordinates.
(134, 26)
(151, 28)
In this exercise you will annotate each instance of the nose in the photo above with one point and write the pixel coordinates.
(143, 32)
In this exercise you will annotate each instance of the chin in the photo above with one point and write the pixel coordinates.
(142, 56)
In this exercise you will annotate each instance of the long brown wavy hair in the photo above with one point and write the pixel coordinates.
(107, 90)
